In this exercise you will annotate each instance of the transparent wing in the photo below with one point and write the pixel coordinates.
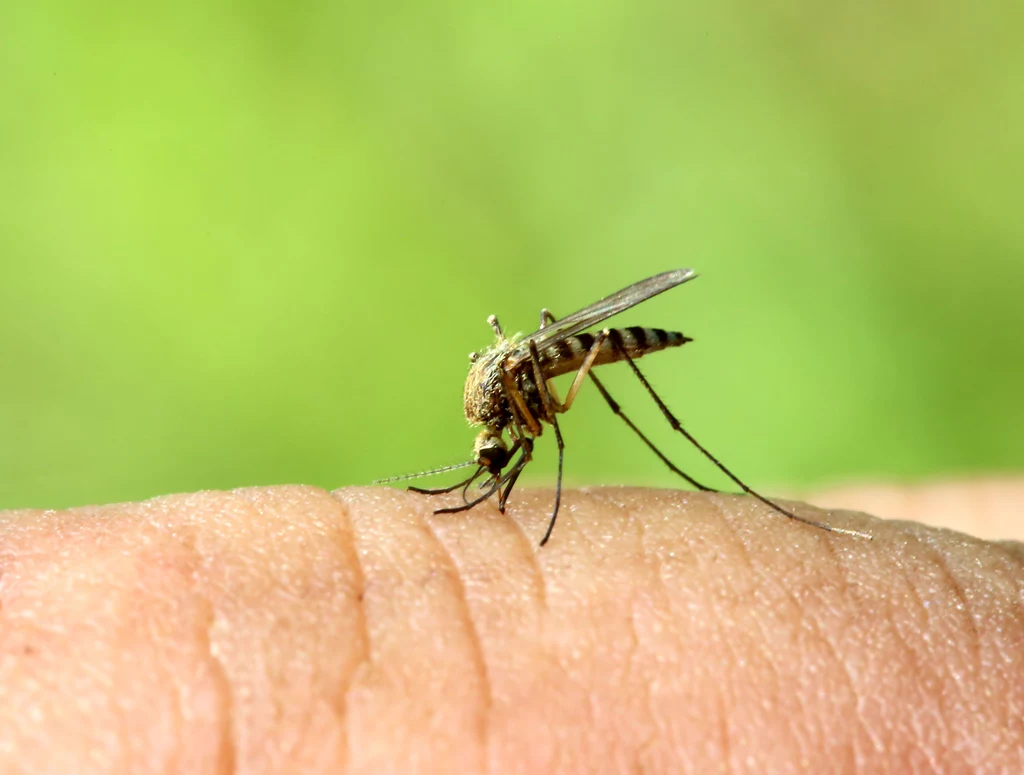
(604, 309)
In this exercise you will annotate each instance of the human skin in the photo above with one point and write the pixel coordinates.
(289, 629)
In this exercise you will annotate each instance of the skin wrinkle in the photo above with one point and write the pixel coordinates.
(239, 498)
(582, 536)
(633, 631)
(964, 606)
(337, 705)
(656, 722)
(921, 662)
(1014, 551)
(897, 634)
(173, 762)
(814, 625)
(820, 630)
(844, 593)
(530, 552)
(653, 564)
(588, 692)
(952, 583)
(242, 498)
(814, 622)
(255, 508)
(732, 530)
(476, 647)
(186, 537)
(124, 758)
(724, 736)
(947, 673)
(994, 656)
(224, 690)
(121, 718)
(278, 522)
(1011, 554)
(340, 532)
(727, 687)
(350, 550)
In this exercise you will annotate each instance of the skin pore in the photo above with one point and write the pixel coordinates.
(293, 629)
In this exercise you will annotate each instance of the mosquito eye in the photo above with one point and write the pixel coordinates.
(493, 458)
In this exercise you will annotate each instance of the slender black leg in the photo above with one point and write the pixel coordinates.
(508, 491)
(558, 486)
(470, 481)
(528, 450)
(545, 318)
(677, 426)
(512, 472)
(616, 409)
(542, 387)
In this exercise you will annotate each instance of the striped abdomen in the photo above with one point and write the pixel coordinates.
(568, 355)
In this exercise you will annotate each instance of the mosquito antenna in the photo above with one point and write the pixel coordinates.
(425, 473)
(678, 426)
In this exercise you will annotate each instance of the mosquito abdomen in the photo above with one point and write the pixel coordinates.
(568, 355)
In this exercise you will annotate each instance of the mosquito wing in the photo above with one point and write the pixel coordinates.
(603, 309)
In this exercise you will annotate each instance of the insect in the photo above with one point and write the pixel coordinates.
(509, 391)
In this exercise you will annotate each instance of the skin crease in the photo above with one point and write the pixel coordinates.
(289, 629)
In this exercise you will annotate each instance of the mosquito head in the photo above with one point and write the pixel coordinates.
(490, 451)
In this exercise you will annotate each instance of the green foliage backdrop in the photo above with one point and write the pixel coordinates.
(251, 243)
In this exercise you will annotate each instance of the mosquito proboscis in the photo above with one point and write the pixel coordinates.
(509, 391)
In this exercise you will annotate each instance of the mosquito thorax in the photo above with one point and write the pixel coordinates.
(483, 397)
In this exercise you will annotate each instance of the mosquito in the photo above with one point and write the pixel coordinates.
(509, 391)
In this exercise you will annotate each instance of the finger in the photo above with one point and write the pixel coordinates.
(286, 628)
(991, 508)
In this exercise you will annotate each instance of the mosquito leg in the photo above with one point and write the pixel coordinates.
(442, 490)
(518, 404)
(558, 485)
(470, 481)
(476, 501)
(616, 409)
(547, 318)
(542, 383)
(516, 431)
(563, 406)
(512, 472)
(527, 450)
(545, 398)
(508, 491)
(588, 364)
(527, 457)
(677, 426)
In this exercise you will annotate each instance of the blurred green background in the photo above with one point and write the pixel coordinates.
(252, 243)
